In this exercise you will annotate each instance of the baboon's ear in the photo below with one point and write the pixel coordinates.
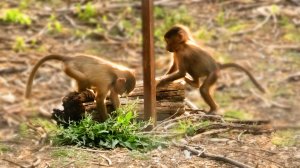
(120, 85)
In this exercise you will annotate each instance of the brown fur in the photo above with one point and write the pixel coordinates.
(91, 71)
(190, 58)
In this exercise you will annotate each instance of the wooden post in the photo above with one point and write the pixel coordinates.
(148, 61)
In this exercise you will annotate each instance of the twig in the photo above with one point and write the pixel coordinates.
(11, 70)
(71, 21)
(12, 162)
(90, 150)
(12, 61)
(255, 28)
(205, 154)
(285, 47)
(106, 158)
(294, 77)
(284, 127)
(235, 150)
(190, 104)
(36, 162)
(67, 164)
(270, 103)
(250, 122)
(198, 136)
(240, 135)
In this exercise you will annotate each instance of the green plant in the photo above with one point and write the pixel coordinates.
(291, 31)
(47, 125)
(284, 138)
(237, 26)
(237, 114)
(87, 12)
(19, 44)
(139, 155)
(54, 25)
(62, 153)
(120, 129)
(189, 128)
(16, 16)
(275, 9)
(220, 18)
(292, 37)
(204, 34)
(24, 4)
(4, 148)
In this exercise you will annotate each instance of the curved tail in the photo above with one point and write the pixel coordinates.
(35, 68)
(234, 65)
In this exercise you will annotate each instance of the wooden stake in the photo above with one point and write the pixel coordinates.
(148, 61)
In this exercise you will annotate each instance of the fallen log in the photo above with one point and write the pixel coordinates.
(169, 102)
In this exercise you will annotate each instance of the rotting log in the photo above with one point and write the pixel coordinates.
(169, 102)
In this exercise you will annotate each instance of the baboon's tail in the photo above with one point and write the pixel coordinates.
(35, 68)
(234, 65)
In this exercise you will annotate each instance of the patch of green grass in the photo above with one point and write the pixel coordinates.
(46, 124)
(284, 138)
(4, 148)
(139, 155)
(220, 18)
(23, 130)
(204, 34)
(54, 26)
(24, 4)
(292, 33)
(189, 128)
(223, 99)
(222, 57)
(237, 27)
(19, 44)
(186, 126)
(292, 37)
(275, 9)
(285, 90)
(121, 129)
(237, 114)
(16, 16)
(86, 13)
(294, 57)
(65, 155)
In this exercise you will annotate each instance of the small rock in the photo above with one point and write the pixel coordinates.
(187, 154)
(9, 98)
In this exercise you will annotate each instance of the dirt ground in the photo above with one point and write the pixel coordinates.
(263, 36)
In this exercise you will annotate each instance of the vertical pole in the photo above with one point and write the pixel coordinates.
(148, 61)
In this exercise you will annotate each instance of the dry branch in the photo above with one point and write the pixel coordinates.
(205, 154)
(11, 70)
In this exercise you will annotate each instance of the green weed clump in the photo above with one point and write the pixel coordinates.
(284, 138)
(237, 114)
(16, 16)
(19, 44)
(190, 128)
(54, 25)
(120, 130)
(87, 12)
